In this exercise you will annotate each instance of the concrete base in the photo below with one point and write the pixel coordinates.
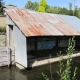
(19, 66)
(51, 60)
(36, 63)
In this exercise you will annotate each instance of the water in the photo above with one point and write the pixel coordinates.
(35, 73)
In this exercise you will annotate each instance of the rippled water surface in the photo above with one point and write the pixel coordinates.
(35, 73)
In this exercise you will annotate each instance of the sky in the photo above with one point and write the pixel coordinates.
(61, 3)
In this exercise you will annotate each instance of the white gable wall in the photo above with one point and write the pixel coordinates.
(20, 47)
(9, 21)
(19, 44)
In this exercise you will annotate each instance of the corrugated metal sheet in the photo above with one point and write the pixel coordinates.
(72, 20)
(33, 23)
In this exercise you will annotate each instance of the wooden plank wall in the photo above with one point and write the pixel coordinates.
(6, 56)
(3, 56)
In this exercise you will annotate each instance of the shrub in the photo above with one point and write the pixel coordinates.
(2, 30)
(65, 70)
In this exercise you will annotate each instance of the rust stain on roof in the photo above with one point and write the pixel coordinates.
(33, 23)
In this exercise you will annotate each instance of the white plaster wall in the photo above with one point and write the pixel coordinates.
(9, 21)
(19, 43)
(20, 47)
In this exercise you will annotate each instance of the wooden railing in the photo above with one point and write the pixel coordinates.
(6, 56)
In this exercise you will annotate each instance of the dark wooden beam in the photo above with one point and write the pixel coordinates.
(36, 43)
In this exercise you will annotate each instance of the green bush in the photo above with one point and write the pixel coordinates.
(2, 30)
(65, 69)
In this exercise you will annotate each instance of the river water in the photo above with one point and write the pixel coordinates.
(36, 73)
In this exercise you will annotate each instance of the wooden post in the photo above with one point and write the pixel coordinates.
(57, 43)
(8, 52)
(35, 43)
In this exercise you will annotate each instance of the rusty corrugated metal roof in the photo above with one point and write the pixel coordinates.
(33, 23)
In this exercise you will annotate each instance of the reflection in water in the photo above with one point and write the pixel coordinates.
(35, 74)
(11, 74)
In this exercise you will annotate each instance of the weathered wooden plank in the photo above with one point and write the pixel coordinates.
(12, 53)
(12, 58)
(2, 59)
(7, 56)
(3, 54)
(3, 49)
(3, 64)
(12, 48)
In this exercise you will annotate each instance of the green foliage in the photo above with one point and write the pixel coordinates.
(57, 10)
(54, 10)
(63, 11)
(66, 74)
(32, 5)
(74, 75)
(11, 5)
(42, 6)
(1, 7)
(78, 15)
(45, 76)
(77, 12)
(70, 12)
(2, 30)
(65, 70)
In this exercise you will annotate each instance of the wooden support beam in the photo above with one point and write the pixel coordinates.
(35, 43)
